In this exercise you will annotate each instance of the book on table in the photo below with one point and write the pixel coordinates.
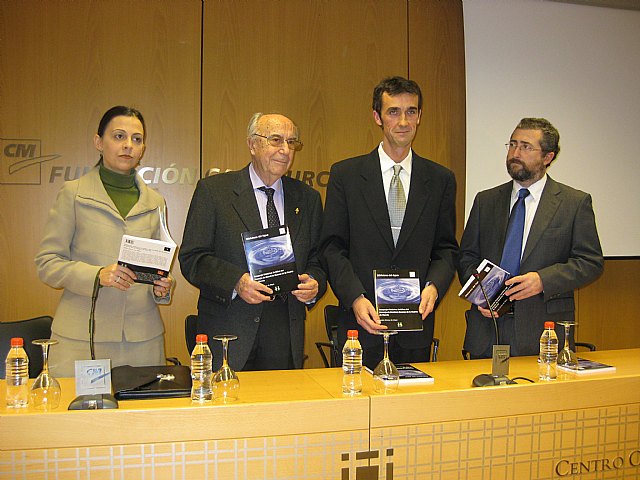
(587, 367)
(398, 299)
(410, 375)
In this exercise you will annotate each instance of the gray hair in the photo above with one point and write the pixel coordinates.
(252, 128)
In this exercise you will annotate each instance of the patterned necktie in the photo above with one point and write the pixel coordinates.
(273, 220)
(397, 203)
(513, 242)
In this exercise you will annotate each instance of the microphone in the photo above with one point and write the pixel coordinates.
(500, 366)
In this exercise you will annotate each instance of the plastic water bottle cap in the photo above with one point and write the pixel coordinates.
(352, 333)
(201, 338)
(549, 325)
(17, 342)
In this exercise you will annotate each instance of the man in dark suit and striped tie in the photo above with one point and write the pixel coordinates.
(390, 209)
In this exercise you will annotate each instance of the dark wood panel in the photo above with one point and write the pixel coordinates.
(606, 310)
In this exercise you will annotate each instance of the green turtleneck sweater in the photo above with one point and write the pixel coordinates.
(121, 188)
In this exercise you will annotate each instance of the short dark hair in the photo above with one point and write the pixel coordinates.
(395, 86)
(550, 137)
(120, 111)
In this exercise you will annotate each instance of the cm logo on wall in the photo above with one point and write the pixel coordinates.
(21, 161)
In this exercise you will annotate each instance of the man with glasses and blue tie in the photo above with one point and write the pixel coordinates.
(270, 328)
(542, 232)
(390, 209)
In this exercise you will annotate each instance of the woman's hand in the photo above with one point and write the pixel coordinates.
(117, 276)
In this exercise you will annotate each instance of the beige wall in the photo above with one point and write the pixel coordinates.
(63, 63)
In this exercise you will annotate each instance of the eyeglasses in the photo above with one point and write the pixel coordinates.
(278, 141)
(525, 147)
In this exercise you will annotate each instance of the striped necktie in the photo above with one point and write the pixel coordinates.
(397, 203)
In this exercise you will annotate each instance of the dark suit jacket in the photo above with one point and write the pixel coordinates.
(562, 246)
(356, 235)
(212, 257)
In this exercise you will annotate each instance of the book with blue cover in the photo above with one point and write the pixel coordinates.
(271, 259)
(398, 298)
(586, 367)
(492, 278)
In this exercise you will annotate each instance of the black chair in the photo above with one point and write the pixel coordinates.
(590, 346)
(31, 329)
(190, 331)
(435, 344)
(332, 314)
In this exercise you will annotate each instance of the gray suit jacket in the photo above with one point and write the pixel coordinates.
(356, 235)
(212, 257)
(562, 246)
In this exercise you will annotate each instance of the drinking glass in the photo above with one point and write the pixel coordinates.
(385, 376)
(567, 358)
(45, 391)
(225, 381)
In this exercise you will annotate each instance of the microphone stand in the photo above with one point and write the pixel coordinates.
(500, 352)
(486, 299)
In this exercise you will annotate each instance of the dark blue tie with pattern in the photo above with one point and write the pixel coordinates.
(273, 220)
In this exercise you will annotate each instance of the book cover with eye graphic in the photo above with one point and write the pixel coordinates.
(270, 258)
(398, 299)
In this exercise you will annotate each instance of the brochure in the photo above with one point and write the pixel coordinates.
(398, 298)
(410, 375)
(492, 278)
(587, 367)
(150, 259)
(271, 259)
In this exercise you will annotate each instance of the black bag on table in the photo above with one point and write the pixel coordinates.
(164, 381)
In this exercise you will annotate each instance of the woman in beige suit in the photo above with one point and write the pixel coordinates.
(80, 248)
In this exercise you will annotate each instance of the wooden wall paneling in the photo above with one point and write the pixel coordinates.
(436, 62)
(315, 61)
(62, 64)
(606, 310)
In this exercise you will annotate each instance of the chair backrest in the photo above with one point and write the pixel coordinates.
(435, 344)
(190, 331)
(29, 330)
(332, 316)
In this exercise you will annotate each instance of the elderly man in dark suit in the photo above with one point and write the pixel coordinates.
(557, 248)
(361, 233)
(270, 328)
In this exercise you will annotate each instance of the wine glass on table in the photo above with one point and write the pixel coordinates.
(45, 391)
(225, 381)
(566, 357)
(385, 376)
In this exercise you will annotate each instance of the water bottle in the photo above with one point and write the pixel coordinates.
(352, 365)
(548, 353)
(17, 375)
(201, 371)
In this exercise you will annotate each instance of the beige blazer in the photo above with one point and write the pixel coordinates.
(83, 233)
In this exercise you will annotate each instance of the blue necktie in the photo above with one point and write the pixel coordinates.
(513, 242)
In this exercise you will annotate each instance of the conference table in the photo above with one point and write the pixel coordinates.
(298, 425)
